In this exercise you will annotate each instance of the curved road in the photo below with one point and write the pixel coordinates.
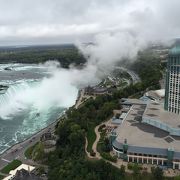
(98, 156)
(134, 76)
(94, 147)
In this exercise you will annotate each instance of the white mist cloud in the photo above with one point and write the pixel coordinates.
(54, 91)
(109, 48)
(60, 89)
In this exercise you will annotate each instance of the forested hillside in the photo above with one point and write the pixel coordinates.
(65, 54)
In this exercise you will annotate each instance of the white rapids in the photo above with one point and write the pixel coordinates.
(30, 104)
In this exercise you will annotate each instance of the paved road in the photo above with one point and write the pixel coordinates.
(134, 76)
(94, 147)
(87, 153)
(17, 151)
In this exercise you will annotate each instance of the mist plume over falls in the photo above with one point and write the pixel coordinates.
(118, 29)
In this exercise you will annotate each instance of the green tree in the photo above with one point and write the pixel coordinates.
(157, 173)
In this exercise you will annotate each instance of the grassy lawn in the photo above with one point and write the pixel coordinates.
(91, 137)
(35, 152)
(28, 152)
(11, 166)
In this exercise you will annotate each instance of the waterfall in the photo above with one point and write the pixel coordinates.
(12, 100)
(33, 100)
(39, 96)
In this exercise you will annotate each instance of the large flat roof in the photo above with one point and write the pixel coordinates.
(157, 112)
(144, 135)
(22, 166)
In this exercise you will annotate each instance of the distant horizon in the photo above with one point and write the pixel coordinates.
(31, 45)
(42, 45)
(56, 44)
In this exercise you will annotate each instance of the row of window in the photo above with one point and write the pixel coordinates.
(173, 94)
(173, 101)
(148, 161)
(140, 154)
(147, 155)
(175, 110)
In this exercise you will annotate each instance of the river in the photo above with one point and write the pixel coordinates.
(32, 98)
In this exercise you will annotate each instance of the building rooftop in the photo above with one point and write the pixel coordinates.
(126, 101)
(157, 93)
(116, 121)
(20, 171)
(143, 135)
(25, 175)
(156, 111)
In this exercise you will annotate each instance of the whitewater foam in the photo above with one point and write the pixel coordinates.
(11, 102)
(32, 102)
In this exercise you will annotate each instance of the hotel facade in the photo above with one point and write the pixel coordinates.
(172, 93)
(150, 132)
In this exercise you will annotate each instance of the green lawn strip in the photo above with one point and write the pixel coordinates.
(11, 166)
(91, 137)
(28, 152)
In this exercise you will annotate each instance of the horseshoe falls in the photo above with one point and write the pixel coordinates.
(31, 97)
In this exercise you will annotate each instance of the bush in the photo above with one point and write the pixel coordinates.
(108, 157)
(130, 166)
(157, 173)
(101, 127)
(40, 170)
(106, 147)
(136, 170)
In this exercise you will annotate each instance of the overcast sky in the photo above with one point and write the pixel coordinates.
(65, 21)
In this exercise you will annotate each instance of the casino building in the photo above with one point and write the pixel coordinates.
(150, 133)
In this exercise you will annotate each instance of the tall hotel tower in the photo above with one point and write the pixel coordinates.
(172, 89)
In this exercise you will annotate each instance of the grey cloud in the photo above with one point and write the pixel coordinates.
(29, 21)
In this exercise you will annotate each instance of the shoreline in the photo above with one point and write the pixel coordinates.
(17, 150)
(43, 129)
(33, 135)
